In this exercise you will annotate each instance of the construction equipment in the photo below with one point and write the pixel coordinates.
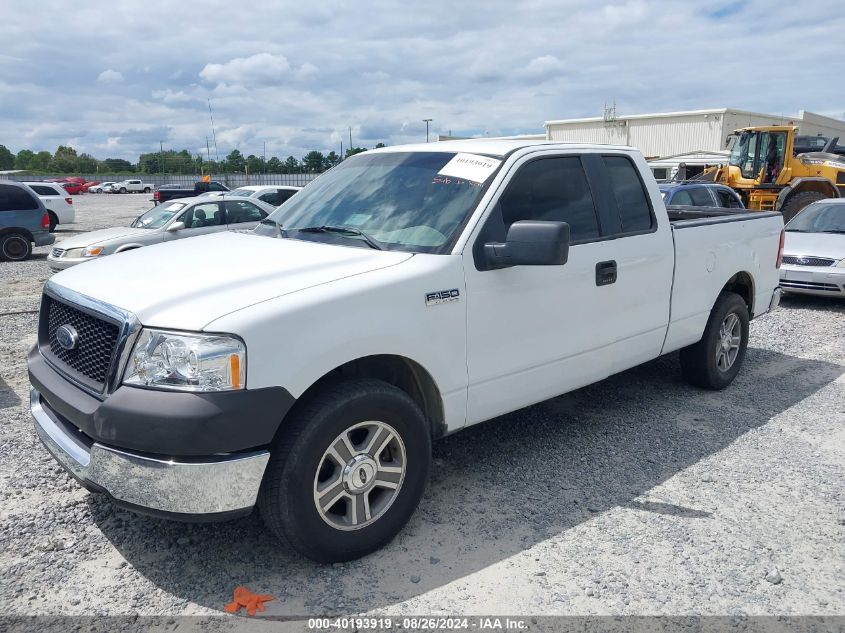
(767, 174)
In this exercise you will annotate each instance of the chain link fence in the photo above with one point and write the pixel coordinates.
(232, 181)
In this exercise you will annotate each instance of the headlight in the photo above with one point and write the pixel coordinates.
(186, 362)
(92, 251)
(841, 263)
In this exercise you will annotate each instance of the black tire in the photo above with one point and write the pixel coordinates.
(146, 190)
(699, 362)
(15, 247)
(123, 190)
(287, 500)
(54, 221)
(796, 202)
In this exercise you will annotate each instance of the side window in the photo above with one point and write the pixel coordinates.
(701, 197)
(213, 186)
(44, 190)
(727, 199)
(271, 197)
(682, 197)
(284, 195)
(552, 189)
(16, 199)
(243, 211)
(205, 214)
(629, 191)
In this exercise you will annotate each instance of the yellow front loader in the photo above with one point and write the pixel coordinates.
(769, 177)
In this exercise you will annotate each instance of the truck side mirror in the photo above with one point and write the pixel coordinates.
(176, 226)
(530, 243)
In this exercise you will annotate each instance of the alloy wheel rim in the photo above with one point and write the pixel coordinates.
(359, 475)
(730, 338)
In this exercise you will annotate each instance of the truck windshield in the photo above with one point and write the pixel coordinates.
(158, 216)
(398, 199)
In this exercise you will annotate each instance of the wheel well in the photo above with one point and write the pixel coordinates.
(23, 232)
(817, 185)
(400, 372)
(743, 285)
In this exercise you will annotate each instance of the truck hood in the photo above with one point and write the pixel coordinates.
(103, 235)
(830, 245)
(189, 283)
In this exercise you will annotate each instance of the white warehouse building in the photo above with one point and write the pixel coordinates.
(672, 133)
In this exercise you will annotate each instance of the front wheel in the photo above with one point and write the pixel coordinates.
(348, 471)
(795, 203)
(123, 190)
(714, 361)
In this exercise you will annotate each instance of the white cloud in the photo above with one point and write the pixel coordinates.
(110, 76)
(256, 68)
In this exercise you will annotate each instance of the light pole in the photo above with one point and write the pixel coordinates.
(426, 121)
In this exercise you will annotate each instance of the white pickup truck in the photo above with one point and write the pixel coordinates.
(131, 186)
(306, 367)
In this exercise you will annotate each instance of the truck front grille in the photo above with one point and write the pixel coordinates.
(92, 356)
(808, 261)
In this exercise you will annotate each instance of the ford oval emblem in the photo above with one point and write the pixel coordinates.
(67, 337)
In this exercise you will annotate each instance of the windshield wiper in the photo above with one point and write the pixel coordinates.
(277, 225)
(344, 230)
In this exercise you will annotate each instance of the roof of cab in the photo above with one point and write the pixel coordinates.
(492, 147)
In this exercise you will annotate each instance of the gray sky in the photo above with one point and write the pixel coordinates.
(115, 78)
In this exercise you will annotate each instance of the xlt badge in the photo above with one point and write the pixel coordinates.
(442, 296)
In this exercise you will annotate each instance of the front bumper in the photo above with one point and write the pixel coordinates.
(825, 281)
(212, 487)
(61, 263)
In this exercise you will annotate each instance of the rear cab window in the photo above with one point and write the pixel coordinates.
(629, 193)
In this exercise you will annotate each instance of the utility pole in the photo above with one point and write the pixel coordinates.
(161, 155)
(341, 150)
(265, 158)
(350, 137)
(426, 121)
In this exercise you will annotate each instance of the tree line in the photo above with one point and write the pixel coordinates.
(65, 160)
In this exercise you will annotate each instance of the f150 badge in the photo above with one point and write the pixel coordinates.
(442, 296)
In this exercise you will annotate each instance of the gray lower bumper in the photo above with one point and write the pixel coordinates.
(214, 485)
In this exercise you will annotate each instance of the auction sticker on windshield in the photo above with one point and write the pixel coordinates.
(470, 167)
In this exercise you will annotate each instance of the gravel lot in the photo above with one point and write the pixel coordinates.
(639, 495)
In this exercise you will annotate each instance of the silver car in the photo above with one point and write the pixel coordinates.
(173, 220)
(814, 250)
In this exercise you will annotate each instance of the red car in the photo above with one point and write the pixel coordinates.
(72, 188)
(89, 184)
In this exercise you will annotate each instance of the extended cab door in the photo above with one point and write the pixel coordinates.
(534, 332)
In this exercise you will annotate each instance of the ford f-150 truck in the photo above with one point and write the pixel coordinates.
(307, 366)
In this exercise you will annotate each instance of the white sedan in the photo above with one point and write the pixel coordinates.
(814, 250)
(103, 187)
(57, 201)
(271, 194)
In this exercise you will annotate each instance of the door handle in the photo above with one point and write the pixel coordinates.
(606, 273)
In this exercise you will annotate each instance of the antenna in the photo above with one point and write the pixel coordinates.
(213, 135)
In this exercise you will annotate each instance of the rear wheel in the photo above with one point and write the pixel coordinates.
(146, 190)
(54, 221)
(796, 202)
(715, 360)
(15, 247)
(348, 472)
